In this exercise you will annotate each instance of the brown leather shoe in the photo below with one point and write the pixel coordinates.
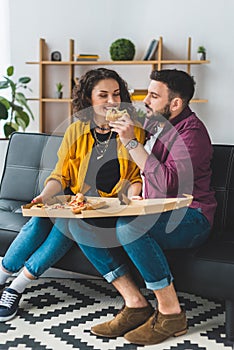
(126, 320)
(158, 328)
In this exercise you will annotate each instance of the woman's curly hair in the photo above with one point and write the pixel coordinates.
(82, 93)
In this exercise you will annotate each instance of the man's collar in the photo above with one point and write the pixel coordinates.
(151, 125)
(183, 115)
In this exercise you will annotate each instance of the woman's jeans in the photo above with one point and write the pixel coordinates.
(143, 238)
(38, 246)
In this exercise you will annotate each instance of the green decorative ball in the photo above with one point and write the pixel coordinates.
(122, 49)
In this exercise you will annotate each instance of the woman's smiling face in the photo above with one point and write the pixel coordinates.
(105, 94)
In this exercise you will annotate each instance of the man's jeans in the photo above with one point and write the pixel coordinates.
(144, 238)
(38, 246)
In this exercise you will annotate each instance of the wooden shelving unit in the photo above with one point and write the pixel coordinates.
(69, 65)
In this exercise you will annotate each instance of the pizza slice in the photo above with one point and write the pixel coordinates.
(114, 114)
(80, 203)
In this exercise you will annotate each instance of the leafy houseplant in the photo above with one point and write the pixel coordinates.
(201, 51)
(14, 110)
(122, 49)
(59, 92)
(141, 114)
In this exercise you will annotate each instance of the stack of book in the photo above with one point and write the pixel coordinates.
(86, 57)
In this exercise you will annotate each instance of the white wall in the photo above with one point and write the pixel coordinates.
(95, 24)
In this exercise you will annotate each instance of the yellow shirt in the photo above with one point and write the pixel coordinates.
(74, 155)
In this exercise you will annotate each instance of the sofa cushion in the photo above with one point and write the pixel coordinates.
(23, 176)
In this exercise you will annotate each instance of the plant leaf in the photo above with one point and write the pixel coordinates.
(22, 119)
(9, 128)
(5, 102)
(16, 107)
(3, 111)
(4, 84)
(12, 84)
(10, 71)
(19, 96)
(24, 80)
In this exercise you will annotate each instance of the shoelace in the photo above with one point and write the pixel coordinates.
(154, 321)
(8, 299)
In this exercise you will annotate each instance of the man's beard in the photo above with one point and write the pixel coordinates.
(163, 115)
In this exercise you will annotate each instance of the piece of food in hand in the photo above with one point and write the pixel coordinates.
(114, 114)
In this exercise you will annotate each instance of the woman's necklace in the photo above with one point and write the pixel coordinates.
(102, 128)
(101, 146)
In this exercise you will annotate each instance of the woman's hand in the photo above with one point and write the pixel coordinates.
(52, 188)
(38, 199)
(41, 198)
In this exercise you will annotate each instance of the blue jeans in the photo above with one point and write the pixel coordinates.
(38, 246)
(144, 238)
(97, 239)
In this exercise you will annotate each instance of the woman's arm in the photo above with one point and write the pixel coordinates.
(52, 188)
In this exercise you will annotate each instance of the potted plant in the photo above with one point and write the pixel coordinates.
(122, 49)
(14, 110)
(201, 52)
(59, 92)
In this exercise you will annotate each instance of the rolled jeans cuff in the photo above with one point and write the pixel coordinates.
(165, 282)
(119, 272)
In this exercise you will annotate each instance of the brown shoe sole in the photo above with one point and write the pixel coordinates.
(177, 334)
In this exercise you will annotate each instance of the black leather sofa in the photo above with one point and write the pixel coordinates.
(206, 271)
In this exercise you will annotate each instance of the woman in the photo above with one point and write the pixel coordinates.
(91, 160)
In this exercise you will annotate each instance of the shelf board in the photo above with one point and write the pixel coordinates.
(106, 63)
(136, 97)
(199, 100)
(140, 94)
(60, 100)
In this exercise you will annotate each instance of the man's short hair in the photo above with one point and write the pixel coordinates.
(178, 82)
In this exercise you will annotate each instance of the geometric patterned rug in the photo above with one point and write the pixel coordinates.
(57, 314)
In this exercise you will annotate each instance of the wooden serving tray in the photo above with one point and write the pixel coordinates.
(112, 207)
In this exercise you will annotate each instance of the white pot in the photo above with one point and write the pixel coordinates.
(201, 56)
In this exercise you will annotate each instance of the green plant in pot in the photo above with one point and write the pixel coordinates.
(122, 49)
(14, 110)
(59, 92)
(201, 52)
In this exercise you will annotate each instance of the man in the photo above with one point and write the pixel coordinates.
(174, 160)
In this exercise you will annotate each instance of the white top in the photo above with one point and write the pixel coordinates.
(148, 147)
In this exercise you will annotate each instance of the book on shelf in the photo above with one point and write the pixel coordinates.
(86, 57)
(138, 94)
(151, 51)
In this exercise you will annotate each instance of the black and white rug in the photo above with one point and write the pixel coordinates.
(56, 314)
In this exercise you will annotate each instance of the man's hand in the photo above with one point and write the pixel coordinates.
(125, 128)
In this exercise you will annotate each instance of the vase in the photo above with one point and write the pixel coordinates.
(59, 94)
(201, 56)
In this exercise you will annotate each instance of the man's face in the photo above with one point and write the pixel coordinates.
(157, 102)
